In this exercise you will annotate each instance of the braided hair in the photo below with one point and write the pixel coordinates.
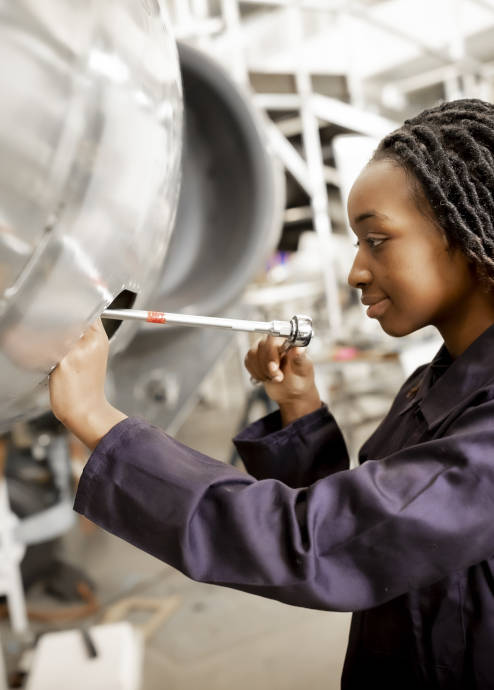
(448, 154)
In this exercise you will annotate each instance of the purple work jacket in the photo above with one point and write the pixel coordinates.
(405, 540)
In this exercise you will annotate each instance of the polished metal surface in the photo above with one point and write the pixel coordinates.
(90, 143)
(232, 198)
(302, 331)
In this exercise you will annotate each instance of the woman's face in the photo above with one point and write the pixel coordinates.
(407, 275)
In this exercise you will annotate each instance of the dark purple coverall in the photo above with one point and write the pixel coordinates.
(406, 540)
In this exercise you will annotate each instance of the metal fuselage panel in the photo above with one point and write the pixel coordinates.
(90, 147)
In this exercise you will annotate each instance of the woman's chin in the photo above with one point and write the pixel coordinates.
(396, 329)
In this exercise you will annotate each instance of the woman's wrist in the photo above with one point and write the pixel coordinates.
(91, 426)
(293, 410)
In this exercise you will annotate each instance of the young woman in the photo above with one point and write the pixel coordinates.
(406, 540)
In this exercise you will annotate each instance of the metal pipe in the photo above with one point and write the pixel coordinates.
(233, 26)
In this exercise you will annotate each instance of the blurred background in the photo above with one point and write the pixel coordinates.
(272, 108)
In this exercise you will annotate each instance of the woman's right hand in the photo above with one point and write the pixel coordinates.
(288, 377)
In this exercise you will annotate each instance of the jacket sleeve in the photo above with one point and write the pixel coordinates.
(306, 450)
(352, 540)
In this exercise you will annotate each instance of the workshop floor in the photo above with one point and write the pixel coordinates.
(218, 638)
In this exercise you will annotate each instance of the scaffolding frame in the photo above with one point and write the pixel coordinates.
(202, 22)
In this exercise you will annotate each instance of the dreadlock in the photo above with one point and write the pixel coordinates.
(449, 151)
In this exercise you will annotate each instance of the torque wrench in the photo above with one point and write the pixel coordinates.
(298, 331)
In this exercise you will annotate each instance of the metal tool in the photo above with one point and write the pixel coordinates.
(298, 331)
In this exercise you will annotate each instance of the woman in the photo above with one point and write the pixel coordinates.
(406, 540)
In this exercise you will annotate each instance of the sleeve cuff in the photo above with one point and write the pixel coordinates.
(110, 442)
(294, 454)
(269, 429)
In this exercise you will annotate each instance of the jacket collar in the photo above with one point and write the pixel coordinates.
(463, 376)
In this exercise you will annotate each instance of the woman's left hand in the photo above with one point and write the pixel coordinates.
(77, 386)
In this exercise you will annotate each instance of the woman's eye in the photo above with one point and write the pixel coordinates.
(374, 242)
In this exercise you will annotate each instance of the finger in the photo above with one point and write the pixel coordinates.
(263, 360)
(269, 357)
(94, 336)
(259, 364)
(276, 373)
(95, 328)
(99, 330)
(251, 364)
(97, 325)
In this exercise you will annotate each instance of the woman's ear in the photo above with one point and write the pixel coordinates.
(447, 244)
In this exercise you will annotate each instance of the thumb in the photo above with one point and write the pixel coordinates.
(297, 360)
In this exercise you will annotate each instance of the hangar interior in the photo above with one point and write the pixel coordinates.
(284, 102)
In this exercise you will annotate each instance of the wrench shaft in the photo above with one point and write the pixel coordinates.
(277, 328)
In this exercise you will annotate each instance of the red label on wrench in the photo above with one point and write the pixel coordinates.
(156, 317)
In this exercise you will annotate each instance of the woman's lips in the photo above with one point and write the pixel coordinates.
(378, 308)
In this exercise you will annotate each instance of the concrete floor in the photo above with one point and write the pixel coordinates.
(218, 638)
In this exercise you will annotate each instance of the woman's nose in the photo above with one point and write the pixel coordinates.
(359, 275)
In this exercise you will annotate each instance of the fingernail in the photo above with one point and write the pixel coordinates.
(273, 367)
(278, 378)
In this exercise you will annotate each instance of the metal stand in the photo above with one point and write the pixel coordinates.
(11, 553)
(3, 675)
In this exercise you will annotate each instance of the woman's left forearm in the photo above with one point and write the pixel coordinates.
(92, 426)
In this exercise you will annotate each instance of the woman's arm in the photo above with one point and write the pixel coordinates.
(352, 540)
(299, 454)
(301, 442)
